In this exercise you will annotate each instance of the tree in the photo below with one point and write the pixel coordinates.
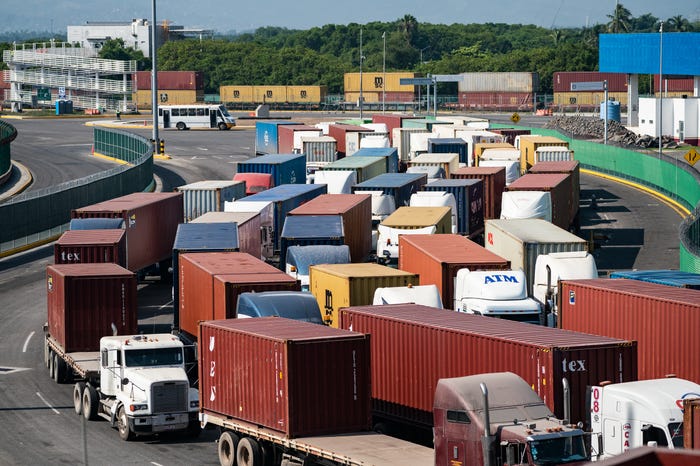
(408, 25)
(679, 24)
(557, 36)
(620, 20)
(114, 49)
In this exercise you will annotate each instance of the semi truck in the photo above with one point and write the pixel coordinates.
(642, 413)
(327, 422)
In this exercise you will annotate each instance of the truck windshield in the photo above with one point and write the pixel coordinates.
(153, 357)
(558, 450)
(676, 430)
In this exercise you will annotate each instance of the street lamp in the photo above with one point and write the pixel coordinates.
(661, 77)
(421, 53)
(361, 59)
(384, 72)
(154, 77)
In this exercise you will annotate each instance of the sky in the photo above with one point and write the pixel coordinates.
(229, 16)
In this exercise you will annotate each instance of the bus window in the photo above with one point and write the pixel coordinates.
(175, 112)
(200, 112)
(191, 112)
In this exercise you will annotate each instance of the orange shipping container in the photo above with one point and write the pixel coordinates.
(270, 94)
(243, 94)
(169, 97)
(306, 94)
(378, 82)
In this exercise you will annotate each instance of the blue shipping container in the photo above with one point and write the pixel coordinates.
(286, 197)
(469, 195)
(391, 154)
(398, 185)
(311, 230)
(284, 168)
(267, 137)
(295, 305)
(675, 278)
(449, 146)
(200, 237)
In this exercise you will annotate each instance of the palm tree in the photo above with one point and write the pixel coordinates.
(620, 20)
(408, 25)
(679, 24)
(557, 36)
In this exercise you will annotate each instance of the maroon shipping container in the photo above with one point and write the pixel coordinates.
(510, 133)
(617, 82)
(150, 220)
(559, 187)
(91, 246)
(437, 258)
(663, 319)
(569, 167)
(84, 300)
(691, 423)
(285, 136)
(414, 346)
(392, 120)
(356, 212)
(494, 180)
(338, 131)
(674, 84)
(293, 377)
(198, 285)
(170, 80)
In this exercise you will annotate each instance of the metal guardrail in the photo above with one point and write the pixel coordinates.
(53, 58)
(71, 81)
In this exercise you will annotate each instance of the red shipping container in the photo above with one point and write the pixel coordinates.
(356, 212)
(495, 100)
(437, 258)
(673, 84)
(84, 300)
(414, 346)
(569, 167)
(617, 82)
(494, 179)
(91, 246)
(392, 120)
(285, 136)
(559, 187)
(296, 378)
(203, 295)
(663, 319)
(691, 423)
(150, 221)
(510, 133)
(337, 131)
(170, 80)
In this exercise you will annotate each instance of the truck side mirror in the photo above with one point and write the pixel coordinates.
(125, 381)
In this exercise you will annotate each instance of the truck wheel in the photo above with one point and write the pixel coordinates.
(47, 353)
(180, 126)
(228, 445)
(194, 428)
(61, 372)
(248, 453)
(123, 425)
(56, 371)
(52, 363)
(90, 402)
(222, 126)
(78, 390)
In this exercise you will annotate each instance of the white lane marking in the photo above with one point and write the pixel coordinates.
(47, 403)
(156, 464)
(26, 342)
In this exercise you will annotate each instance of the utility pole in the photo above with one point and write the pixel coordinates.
(154, 77)
(384, 73)
(661, 77)
(361, 58)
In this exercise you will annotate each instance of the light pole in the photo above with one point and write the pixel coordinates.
(384, 73)
(361, 58)
(427, 106)
(421, 53)
(154, 77)
(661, 77)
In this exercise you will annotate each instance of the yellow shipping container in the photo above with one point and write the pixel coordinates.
(243, 94)
(412, 218)
(587, 98)
(448, 162)
(306, 94)
(142, 98)
(269, 94)
(528, 146)
(375, 82)
(480, 147)
(344, 285)
(368, 96)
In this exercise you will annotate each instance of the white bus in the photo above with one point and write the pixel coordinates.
(195, 116)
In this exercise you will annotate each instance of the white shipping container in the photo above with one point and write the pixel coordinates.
(498, 82)
(471, 122)
(299, 135)
(376, 127)
(526, 204)
(209, 196)
(319, 149)
(418, 143)
(353, 140)
(553, 154)
(512, 168)
(401, 139)
(521, 240)
(448, 162)
(475, 136)
(267, 221)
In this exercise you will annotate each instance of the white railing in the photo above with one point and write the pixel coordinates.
(57, 79)
(47, 58)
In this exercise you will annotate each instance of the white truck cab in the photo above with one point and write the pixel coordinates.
(633, 414)
(388, 241)
(496, 293)
(426, 295)
(436, 199)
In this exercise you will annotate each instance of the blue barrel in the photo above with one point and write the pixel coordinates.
(613, 110)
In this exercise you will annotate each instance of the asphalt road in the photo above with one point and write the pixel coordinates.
(37, 422)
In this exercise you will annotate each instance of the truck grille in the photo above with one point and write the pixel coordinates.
(169, 397)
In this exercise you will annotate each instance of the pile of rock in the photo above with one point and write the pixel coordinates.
(594, 128)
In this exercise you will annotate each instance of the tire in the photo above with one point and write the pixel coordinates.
(222, 126)
(47, 353)
(181, 126)
(78, 390)
(194, 428)
(52, 362)
(55, 373)
(62, 374)
(248, 453)
(228, 448)
(90, 402)
(125, 433)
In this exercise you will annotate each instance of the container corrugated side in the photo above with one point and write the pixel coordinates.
(270, 94)
(337, 131)
(562, 80)
(691, 423)
(572, 168)
(419, 343)
(560, 188)
(263, 369)
(306, 94)
(91, 246)
(677, 278)
(391, 120)
(356, 211)
(521, 240)
(285, 136)
(447, 161)
(209, 196)
(530, 143)
(266, 134)
(450, 146)
(342, 285)
(85, 300)
(398, 185)
(284, 168)
(437, 258)
(401, 139)
(170, 80)
(664, 320)
(375, 82)
(311, 230)
(249, 228)
(323, 149)
(366, 167)
(240, 94)
(391, 154)
(510, 133)
(469, 196)
(411, 218)
(150, 220)
(228, 287)
(196, 272)
(494, 183)
(498, 82)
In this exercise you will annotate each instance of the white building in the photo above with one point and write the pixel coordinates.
(679, 118)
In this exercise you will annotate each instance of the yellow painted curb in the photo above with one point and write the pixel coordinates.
(111, 159)
(679, 208)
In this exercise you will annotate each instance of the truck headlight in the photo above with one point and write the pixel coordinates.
(194, 404)
(136, 407)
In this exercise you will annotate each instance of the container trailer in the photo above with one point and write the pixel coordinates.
(571, 168)
(407, 221)
(469, 197)
(284, 168)
(267, 136)
(319, 151)
(366, 167)
(308, 230)
(209, 196)
(289, 137)
(494, 183)
(300, 258)
(526, 205)
(265, 210)
(254, 182)
(390, 191)
(560, 188)
(528, 145)
(450, 146)
(677, 278)
(340, 131)
(390, 155)
(297, 305)
(91, 246)
(248, 229)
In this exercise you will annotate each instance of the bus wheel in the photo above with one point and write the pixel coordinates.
(180, 126)
(222, 126)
